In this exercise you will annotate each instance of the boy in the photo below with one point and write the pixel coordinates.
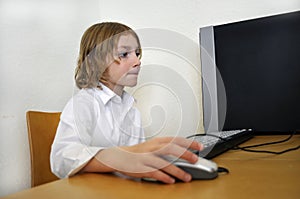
(100, 130)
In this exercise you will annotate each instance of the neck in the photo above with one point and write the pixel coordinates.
(115, 88)
(118, 90)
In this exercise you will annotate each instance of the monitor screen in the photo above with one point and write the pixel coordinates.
(251, 74)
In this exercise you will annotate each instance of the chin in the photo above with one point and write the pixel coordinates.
(131, 84)
(129, 81)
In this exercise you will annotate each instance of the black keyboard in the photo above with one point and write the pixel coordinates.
(216, 143)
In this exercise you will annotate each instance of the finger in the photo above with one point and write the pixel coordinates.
(161, 176)
(181, 141)
(177, 173)
(166, 172)
(158, 163)
(153, 169)
(152, 173)
(187, 143)
(189, 156)
(169, 170)
(177, 152)
(161, 170)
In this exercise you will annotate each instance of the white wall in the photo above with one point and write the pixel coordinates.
(38, 47)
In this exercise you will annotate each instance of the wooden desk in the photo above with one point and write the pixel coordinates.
(251, 175)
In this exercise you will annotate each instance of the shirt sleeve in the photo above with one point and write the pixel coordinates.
(71, 149)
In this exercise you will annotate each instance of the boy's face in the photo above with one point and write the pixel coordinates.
(125, 72)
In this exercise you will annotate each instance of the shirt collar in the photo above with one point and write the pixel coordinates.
(107, 94)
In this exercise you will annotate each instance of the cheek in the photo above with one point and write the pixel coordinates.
(116, 73)
(121, 70)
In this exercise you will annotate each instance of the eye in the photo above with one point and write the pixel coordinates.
(138, 53)
(127, 54)
(123, 55)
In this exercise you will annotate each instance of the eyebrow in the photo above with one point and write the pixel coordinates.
(127, 47)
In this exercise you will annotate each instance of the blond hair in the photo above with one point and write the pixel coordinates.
(97, 50)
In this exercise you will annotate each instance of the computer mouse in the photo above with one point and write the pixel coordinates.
(203, 169)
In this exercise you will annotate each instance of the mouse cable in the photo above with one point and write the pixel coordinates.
(223, 170)
(246, 148)
(272, 152)
(269, 143)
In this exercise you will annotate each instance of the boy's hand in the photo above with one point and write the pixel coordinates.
(145, 159)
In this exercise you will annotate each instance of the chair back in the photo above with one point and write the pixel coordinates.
(41, 128)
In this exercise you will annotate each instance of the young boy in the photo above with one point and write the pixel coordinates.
(100, 129)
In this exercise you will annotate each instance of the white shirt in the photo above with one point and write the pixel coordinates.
(92, 120)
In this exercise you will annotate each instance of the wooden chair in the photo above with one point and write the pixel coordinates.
(41, 131)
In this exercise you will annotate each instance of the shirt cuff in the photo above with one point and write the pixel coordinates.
(87, 154)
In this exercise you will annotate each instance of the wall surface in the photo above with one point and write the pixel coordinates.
(39, 42)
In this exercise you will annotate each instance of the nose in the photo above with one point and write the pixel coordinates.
(137, 61)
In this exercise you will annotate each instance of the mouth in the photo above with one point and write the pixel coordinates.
(134, 71)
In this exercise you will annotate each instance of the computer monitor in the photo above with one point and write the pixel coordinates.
(251, 74)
